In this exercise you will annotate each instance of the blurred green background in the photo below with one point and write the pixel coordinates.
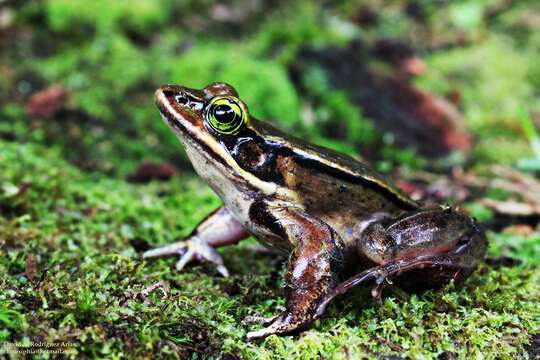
(109, 58)
(422, 90)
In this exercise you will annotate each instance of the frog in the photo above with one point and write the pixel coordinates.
(337, 221)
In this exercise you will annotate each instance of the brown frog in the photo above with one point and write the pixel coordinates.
(332, 215)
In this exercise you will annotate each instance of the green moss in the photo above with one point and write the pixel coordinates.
(274, 98)
(333, 113)
(89, 283)
(63, 15)
(524, 248)
(11, 318)
(300, 24)
(480, 212)
(86, 226)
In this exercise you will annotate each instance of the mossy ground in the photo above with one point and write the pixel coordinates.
(72, 229)
(88, 286)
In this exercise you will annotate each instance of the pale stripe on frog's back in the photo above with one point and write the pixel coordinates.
(333, 162)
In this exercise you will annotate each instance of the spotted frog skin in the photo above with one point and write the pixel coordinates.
(339, 222)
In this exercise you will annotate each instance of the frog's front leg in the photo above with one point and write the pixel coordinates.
(313, 268)
(218, 229)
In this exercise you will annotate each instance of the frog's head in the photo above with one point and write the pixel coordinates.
(202, 115)
(219, 135)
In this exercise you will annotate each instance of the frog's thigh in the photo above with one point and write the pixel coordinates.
(421, 233)
(425, 249)
(313, 266)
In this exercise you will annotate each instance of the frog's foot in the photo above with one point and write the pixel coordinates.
(284, 323)
(386, 283)
(192, 249)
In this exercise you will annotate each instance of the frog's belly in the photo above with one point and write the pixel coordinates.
(235, 194)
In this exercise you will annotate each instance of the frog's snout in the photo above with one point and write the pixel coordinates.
(180, 107)
(169, 90)
(167, 93)
(180, 97)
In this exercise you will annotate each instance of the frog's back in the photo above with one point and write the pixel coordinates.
(335, 187)
(339, 166)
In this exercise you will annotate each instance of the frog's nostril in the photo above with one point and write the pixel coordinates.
(168, 93)
(181, 99)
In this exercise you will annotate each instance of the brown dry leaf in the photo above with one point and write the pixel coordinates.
(523, 189)
(418, 119)
(30, 268)
(438, 188)
(47, 102)
(512, 207)
(511, 180)
(149, 171)
(413, 66)
(520, 229)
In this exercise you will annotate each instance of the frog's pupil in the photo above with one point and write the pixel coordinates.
(224, 114)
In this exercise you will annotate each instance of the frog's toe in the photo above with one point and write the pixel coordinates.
(185, 259)
(259, 334)
(277, 327)
(178, 248)
(251, 320)
(202, 252)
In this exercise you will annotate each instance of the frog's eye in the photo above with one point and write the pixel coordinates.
(225, 115)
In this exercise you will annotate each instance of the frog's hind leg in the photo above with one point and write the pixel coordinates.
(422, 265)
(380, 274)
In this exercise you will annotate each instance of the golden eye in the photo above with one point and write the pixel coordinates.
(225, 115)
